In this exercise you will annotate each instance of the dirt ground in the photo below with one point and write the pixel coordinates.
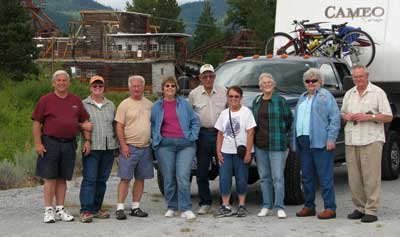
(21, 214)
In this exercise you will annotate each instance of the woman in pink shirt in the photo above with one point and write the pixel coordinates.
(174, 129)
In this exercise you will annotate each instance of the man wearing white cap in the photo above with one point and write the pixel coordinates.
(208, 101)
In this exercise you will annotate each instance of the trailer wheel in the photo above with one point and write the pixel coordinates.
(391, 157)
(293, 190)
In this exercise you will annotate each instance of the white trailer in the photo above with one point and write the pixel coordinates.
(378, 18)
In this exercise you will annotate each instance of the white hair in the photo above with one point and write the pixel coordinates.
(60, 72)
(136, 77)
(267, 75)
(314, 72)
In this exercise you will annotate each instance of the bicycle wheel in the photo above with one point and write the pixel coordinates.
(281, 43)
(358, 48)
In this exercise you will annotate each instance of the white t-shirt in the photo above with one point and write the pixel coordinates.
(242, 121)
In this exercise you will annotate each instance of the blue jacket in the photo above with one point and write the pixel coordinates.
(324, 120)
(188, 120)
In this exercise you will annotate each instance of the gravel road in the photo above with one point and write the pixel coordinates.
(21, 215)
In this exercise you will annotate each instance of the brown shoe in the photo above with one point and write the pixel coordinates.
(306, 212)
(327, 214)
(102, 214)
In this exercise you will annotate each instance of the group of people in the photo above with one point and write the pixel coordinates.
(212, 123)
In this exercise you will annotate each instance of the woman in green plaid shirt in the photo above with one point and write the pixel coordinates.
(274, 119)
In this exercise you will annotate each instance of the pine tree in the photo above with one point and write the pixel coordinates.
(257, 15)
(165, 13)
(206, 29)
(17, 50)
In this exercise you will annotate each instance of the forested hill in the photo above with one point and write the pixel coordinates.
(62, 11)
(190, 13)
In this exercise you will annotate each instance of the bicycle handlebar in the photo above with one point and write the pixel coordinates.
(295, 22)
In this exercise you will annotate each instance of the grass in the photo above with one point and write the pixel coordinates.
(17, 101)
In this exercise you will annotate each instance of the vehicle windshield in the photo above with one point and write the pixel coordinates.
(288, 75)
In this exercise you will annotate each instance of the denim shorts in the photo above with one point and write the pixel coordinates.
(59, 159)
(138, 164)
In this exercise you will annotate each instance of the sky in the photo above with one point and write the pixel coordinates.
(120, 4)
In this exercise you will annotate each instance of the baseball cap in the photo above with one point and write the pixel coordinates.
(96, 78)
(206, 67)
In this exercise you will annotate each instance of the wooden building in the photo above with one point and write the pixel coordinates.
(116, 45)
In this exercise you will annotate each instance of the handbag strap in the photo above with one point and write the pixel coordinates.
(233, 132)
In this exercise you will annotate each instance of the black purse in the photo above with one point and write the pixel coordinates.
(241, 149)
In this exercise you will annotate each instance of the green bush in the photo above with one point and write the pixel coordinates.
(10, 175)
(26, 162)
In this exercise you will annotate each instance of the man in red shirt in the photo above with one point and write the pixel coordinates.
(56, 122)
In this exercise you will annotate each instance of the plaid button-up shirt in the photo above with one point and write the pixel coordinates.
(103, 134)
(280, 119)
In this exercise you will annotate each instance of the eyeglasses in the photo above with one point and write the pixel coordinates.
(97, 86)
(234, 96)
(170, 85)
(311, 81)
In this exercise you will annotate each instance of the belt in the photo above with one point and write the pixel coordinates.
(62, 140)
(203, 129)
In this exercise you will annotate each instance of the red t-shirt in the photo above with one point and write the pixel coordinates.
(60, 116)
(171, 126)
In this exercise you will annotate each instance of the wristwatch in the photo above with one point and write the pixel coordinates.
(373, 117)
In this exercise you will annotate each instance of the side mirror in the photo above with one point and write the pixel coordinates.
(347, 83)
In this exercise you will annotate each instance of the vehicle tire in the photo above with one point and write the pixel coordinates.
(358, 48)
(281, 43)
(160, 181)
(253, 175)
(293, 191)
(391, 157)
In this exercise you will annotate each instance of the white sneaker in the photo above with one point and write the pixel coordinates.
(204, 209)
(264, 212)
(62, 215)
(170, 213)
(189, 215)
(49, 216)
(281, 214)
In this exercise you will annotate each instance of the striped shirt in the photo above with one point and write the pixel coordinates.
(280, 119)
(103, 135)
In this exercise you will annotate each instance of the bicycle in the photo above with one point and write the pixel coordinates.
(341, 41)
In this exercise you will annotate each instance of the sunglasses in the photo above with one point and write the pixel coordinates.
(234, 96)
(311, 81)
(170, 85)
(97, 86)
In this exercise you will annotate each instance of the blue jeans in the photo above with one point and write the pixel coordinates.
(317, 162)
(233, 165)
(271, 168)
(206, 149)
(96, 170)
(175, 157)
